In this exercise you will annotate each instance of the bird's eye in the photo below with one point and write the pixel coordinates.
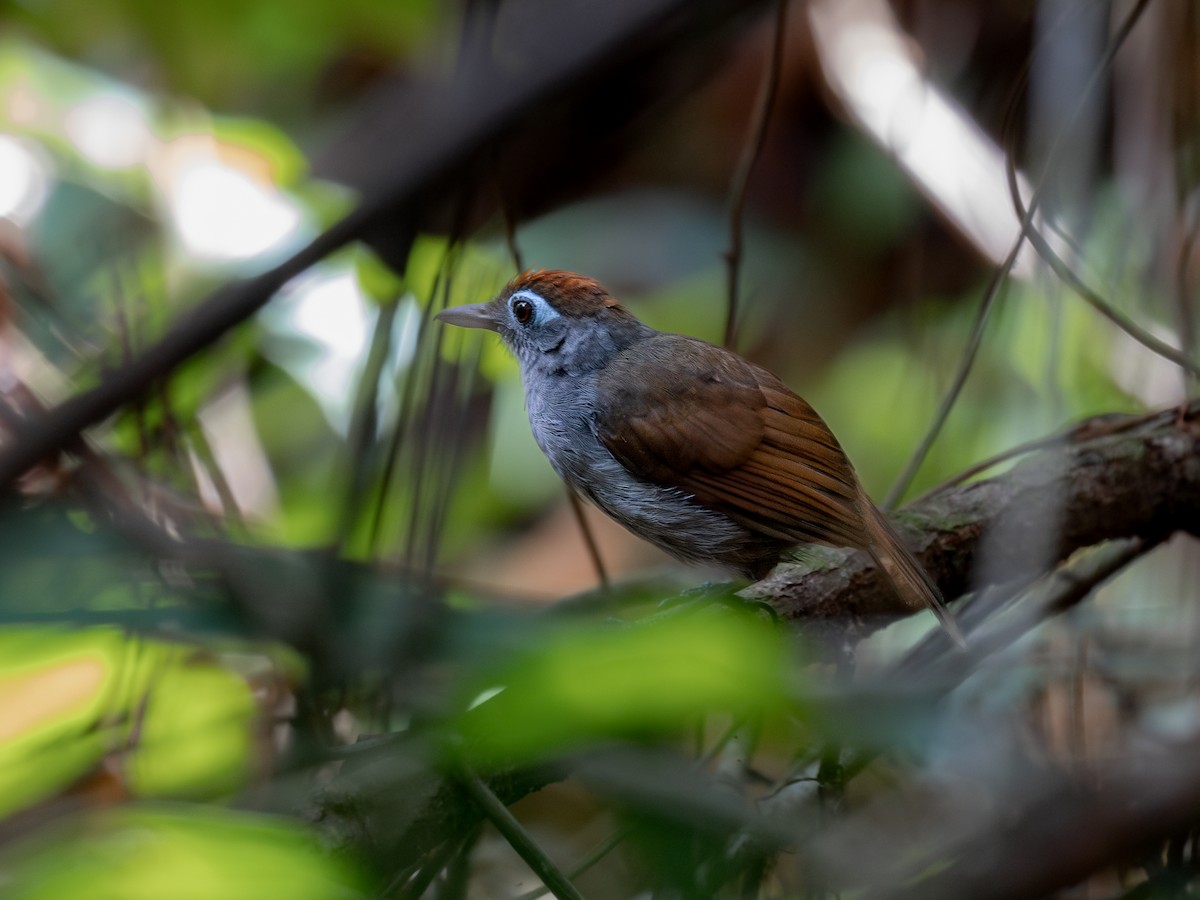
(523, 311)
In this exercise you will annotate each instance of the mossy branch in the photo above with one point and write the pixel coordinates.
(1107, 478)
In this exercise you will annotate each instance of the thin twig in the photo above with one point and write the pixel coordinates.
(363, 432)
(518, 838)
(1184, 315)
(595, 855)
(615, 839)
(1056, 262)
(589, 539)
(410, 882)
(585, 527)
(1065, 587)
(1089, 428)
(208, 462)
(986, 305)
(960, 379)
(967, 361)
(1026, 217)
(456, 882)
(1102, 306)
(454, 457)
(399, 437)
(506, 218)
(465, 116)
(750, 153)
(416, 555)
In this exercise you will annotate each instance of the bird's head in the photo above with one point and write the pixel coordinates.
(554, 321)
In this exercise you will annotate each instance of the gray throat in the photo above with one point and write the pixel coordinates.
(561, 406)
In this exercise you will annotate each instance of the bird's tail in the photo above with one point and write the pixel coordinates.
(909, 579)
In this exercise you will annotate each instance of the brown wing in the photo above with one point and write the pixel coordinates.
(683, 413)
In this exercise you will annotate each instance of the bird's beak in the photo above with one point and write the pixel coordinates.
(477, 315)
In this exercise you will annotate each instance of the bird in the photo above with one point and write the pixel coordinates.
(686, 444)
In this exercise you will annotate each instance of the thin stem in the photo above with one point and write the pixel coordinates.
(1100, 305)
(362, 438)
(507, 218)
(445, 483)
(1065, 587)
(410, 884)
(401, 185)
(1056, 262)
(597, 853)
(1027, 232)
(422, 459)
(614, 840)
(1088, 428)
(960, 379)
(589, 539)
(517, 837)
(585, 528)
(750, 152)
(1184, 314)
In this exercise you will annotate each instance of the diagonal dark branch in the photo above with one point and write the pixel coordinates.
(445, 131)
(518, 838)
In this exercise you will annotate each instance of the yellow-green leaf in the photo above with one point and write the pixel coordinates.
(582, 685)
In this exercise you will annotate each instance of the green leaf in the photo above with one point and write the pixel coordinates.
(585, 684)
(375, 278)
(175, 851)
(178, 723)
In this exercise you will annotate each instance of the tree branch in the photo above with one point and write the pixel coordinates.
(1111, 477)
(1069, 828)
(406, 163)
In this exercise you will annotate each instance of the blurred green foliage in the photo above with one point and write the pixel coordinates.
(172, 720)
(180, 851)
(1043, 365)
(651, 678)
(223, 52)
(385, 480)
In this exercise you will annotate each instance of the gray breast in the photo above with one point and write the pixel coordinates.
(561, 418)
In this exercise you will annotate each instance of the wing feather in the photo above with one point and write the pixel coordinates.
(686, 414)
(683, 413)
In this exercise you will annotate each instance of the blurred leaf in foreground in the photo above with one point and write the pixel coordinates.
(649, 678)
(174, 851)
(177, 723)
